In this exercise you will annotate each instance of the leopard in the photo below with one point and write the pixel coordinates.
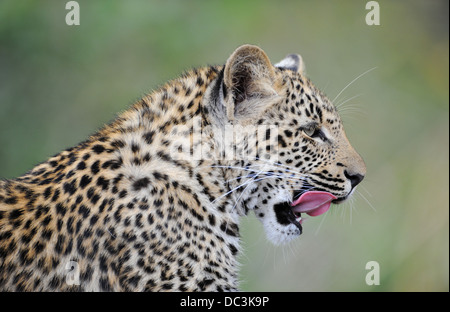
(152, 201)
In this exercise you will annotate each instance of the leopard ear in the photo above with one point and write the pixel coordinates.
(293, 62)
(249, 81)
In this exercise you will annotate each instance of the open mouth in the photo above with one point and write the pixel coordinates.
(313, 203)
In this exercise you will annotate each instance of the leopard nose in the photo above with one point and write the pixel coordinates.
(355, 178)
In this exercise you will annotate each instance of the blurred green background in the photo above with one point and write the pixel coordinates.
(60, 83)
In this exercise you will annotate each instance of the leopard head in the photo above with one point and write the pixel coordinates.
(299, 160)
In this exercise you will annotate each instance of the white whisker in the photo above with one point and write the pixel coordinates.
(343, 211)
(367, 191)
(355, 110)
(242, 193)
(234, 189)
(348, 85)
(253, 180)
(290, 169)
(320, 224)
(338, 105)
(367, 201)
(351, 209)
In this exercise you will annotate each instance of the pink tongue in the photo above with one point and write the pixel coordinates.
(314, 203)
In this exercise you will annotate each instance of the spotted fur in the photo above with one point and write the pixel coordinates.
(119, 212)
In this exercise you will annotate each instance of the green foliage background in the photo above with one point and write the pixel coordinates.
(60, 83)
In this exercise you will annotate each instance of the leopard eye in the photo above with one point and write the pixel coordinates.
(310, 131)
(314, 131)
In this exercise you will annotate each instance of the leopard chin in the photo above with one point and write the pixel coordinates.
(285, 223)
